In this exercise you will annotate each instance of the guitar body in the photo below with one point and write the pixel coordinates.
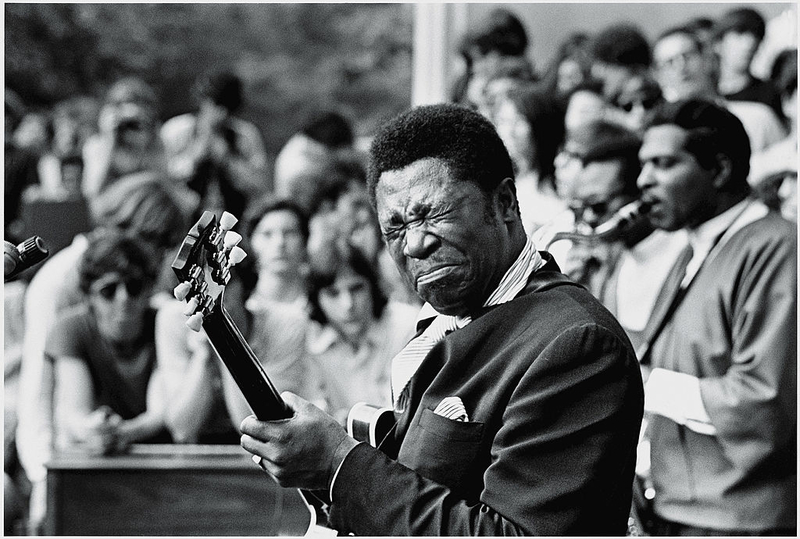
(371, 424)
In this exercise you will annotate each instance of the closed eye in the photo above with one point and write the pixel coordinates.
(392, 233)
(664, 162)
(429, 217)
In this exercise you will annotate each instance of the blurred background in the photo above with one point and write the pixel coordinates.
(293, 57)
(366, 60)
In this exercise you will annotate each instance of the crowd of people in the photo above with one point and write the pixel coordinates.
(659, 175)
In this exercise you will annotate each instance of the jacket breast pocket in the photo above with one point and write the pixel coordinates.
(444, 450)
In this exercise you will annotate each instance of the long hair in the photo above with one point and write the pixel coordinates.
(546, 119)
(114, 251)
(327, 264)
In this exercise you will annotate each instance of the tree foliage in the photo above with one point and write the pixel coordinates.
(294, 58)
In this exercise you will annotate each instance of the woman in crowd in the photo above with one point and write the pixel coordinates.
(532, 128)
(107, 393)
(570, 68)
(344, 349)
(275, 288)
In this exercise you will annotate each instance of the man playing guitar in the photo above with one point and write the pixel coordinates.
(516, 408)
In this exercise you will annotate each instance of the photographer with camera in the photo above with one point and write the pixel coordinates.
(128, 137)
(216, 154)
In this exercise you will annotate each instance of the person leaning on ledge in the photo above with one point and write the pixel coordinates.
(523, 416)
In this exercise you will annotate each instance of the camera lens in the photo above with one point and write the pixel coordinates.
(132, 125)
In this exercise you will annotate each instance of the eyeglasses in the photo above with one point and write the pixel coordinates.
(679, 59)
(108, 290)
(569, 155)
(599, 207)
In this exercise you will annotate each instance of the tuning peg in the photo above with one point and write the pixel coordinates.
(191, 306)
(182, 290)
(195, 322)
(231, 238)
(237, 255)
(227, 221)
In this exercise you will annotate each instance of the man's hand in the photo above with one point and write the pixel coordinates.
(303, 451)
(101, 431)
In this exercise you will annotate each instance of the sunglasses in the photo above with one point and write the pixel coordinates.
(108, 290)
(646, 103)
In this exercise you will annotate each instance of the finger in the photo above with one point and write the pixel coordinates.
(263, 432)
(255, 427)
(254, 446)
(294, 401)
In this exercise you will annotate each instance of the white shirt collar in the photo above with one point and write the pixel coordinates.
(704, 236)
(714, 233)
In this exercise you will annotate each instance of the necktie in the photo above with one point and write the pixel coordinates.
(406, 362)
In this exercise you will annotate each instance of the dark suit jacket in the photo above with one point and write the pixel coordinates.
(554, 397)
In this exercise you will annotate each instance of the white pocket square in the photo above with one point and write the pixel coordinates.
(452, 408)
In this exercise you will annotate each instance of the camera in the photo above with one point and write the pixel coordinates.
(131, 117)
(130, 124)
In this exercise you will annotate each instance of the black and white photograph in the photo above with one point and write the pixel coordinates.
(400, 269)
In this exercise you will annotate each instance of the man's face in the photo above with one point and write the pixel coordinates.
(568, 166)
(119, 304)
(681, 68)
(347, 304)
(598, 192)
(613, 78)
(680, 192)
(278, 242)
(736, 50)
(448, 241)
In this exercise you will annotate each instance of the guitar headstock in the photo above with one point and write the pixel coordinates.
(203, 265)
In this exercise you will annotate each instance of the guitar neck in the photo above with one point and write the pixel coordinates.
(265, 401)
(244, 366)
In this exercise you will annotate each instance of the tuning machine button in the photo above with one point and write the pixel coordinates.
(231, 239)
(182, 290)
(191, 306)
(236, 255)
(195, 322)
(227, 221)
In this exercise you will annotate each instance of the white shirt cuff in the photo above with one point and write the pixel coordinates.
(676, 396)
